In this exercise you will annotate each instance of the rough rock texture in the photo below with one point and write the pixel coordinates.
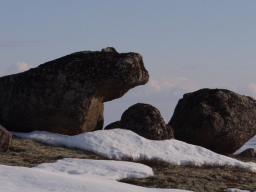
(5, 139)
(113, 125)
(247, 153)
(217, 119)
(66, 95)
(146, 121)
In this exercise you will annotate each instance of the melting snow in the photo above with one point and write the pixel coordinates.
(120, 144)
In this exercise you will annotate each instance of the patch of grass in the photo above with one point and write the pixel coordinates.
(29, 153)
(194, 178)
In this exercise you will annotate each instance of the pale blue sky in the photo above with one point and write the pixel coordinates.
(186, 44)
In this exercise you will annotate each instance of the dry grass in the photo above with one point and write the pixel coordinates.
(29, 153)
(200, 179)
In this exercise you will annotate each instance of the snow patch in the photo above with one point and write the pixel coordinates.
(114, 170)
(69, 175)
(120, 144)
(236, 190)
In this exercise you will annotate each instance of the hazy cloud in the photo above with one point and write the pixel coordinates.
(165, 83)
(163, 88)
(252, 88)
(162, 92)
(14, 43)
(22, 66)
(16, 68)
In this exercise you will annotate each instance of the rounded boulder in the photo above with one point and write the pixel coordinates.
(146, 121)
(217, 119)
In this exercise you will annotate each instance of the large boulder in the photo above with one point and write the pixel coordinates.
(5, 139)
(217, 119)
(66, 95)
(146, 121)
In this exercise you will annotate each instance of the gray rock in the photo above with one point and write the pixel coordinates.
(5, 139)
(217, 119)
(146, 121)
(109, 49)
(247, 153)
(66, 95)
(113, 125)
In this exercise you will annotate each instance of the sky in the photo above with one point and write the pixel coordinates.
(186, 44)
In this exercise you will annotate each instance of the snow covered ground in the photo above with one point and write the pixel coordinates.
(101, 175)
(77, 175)
(120, 144)
(108, 169)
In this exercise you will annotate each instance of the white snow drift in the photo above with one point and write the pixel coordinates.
(114, 170)
(119, 144)
(75, 175)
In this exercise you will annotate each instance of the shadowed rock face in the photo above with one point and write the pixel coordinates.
(247, 153)
(66, 95)
(217, 119)
(5, 139)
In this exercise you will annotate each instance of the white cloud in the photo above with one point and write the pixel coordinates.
(166, 83)
(252, 88)
(22, 66)
(162, 88)
(16, 68)
(163, 92)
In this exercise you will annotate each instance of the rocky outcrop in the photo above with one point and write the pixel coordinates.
(113, 125)
(146, 121)
(247, 153)
(5, 139)
(217, 119)
(66, 95)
